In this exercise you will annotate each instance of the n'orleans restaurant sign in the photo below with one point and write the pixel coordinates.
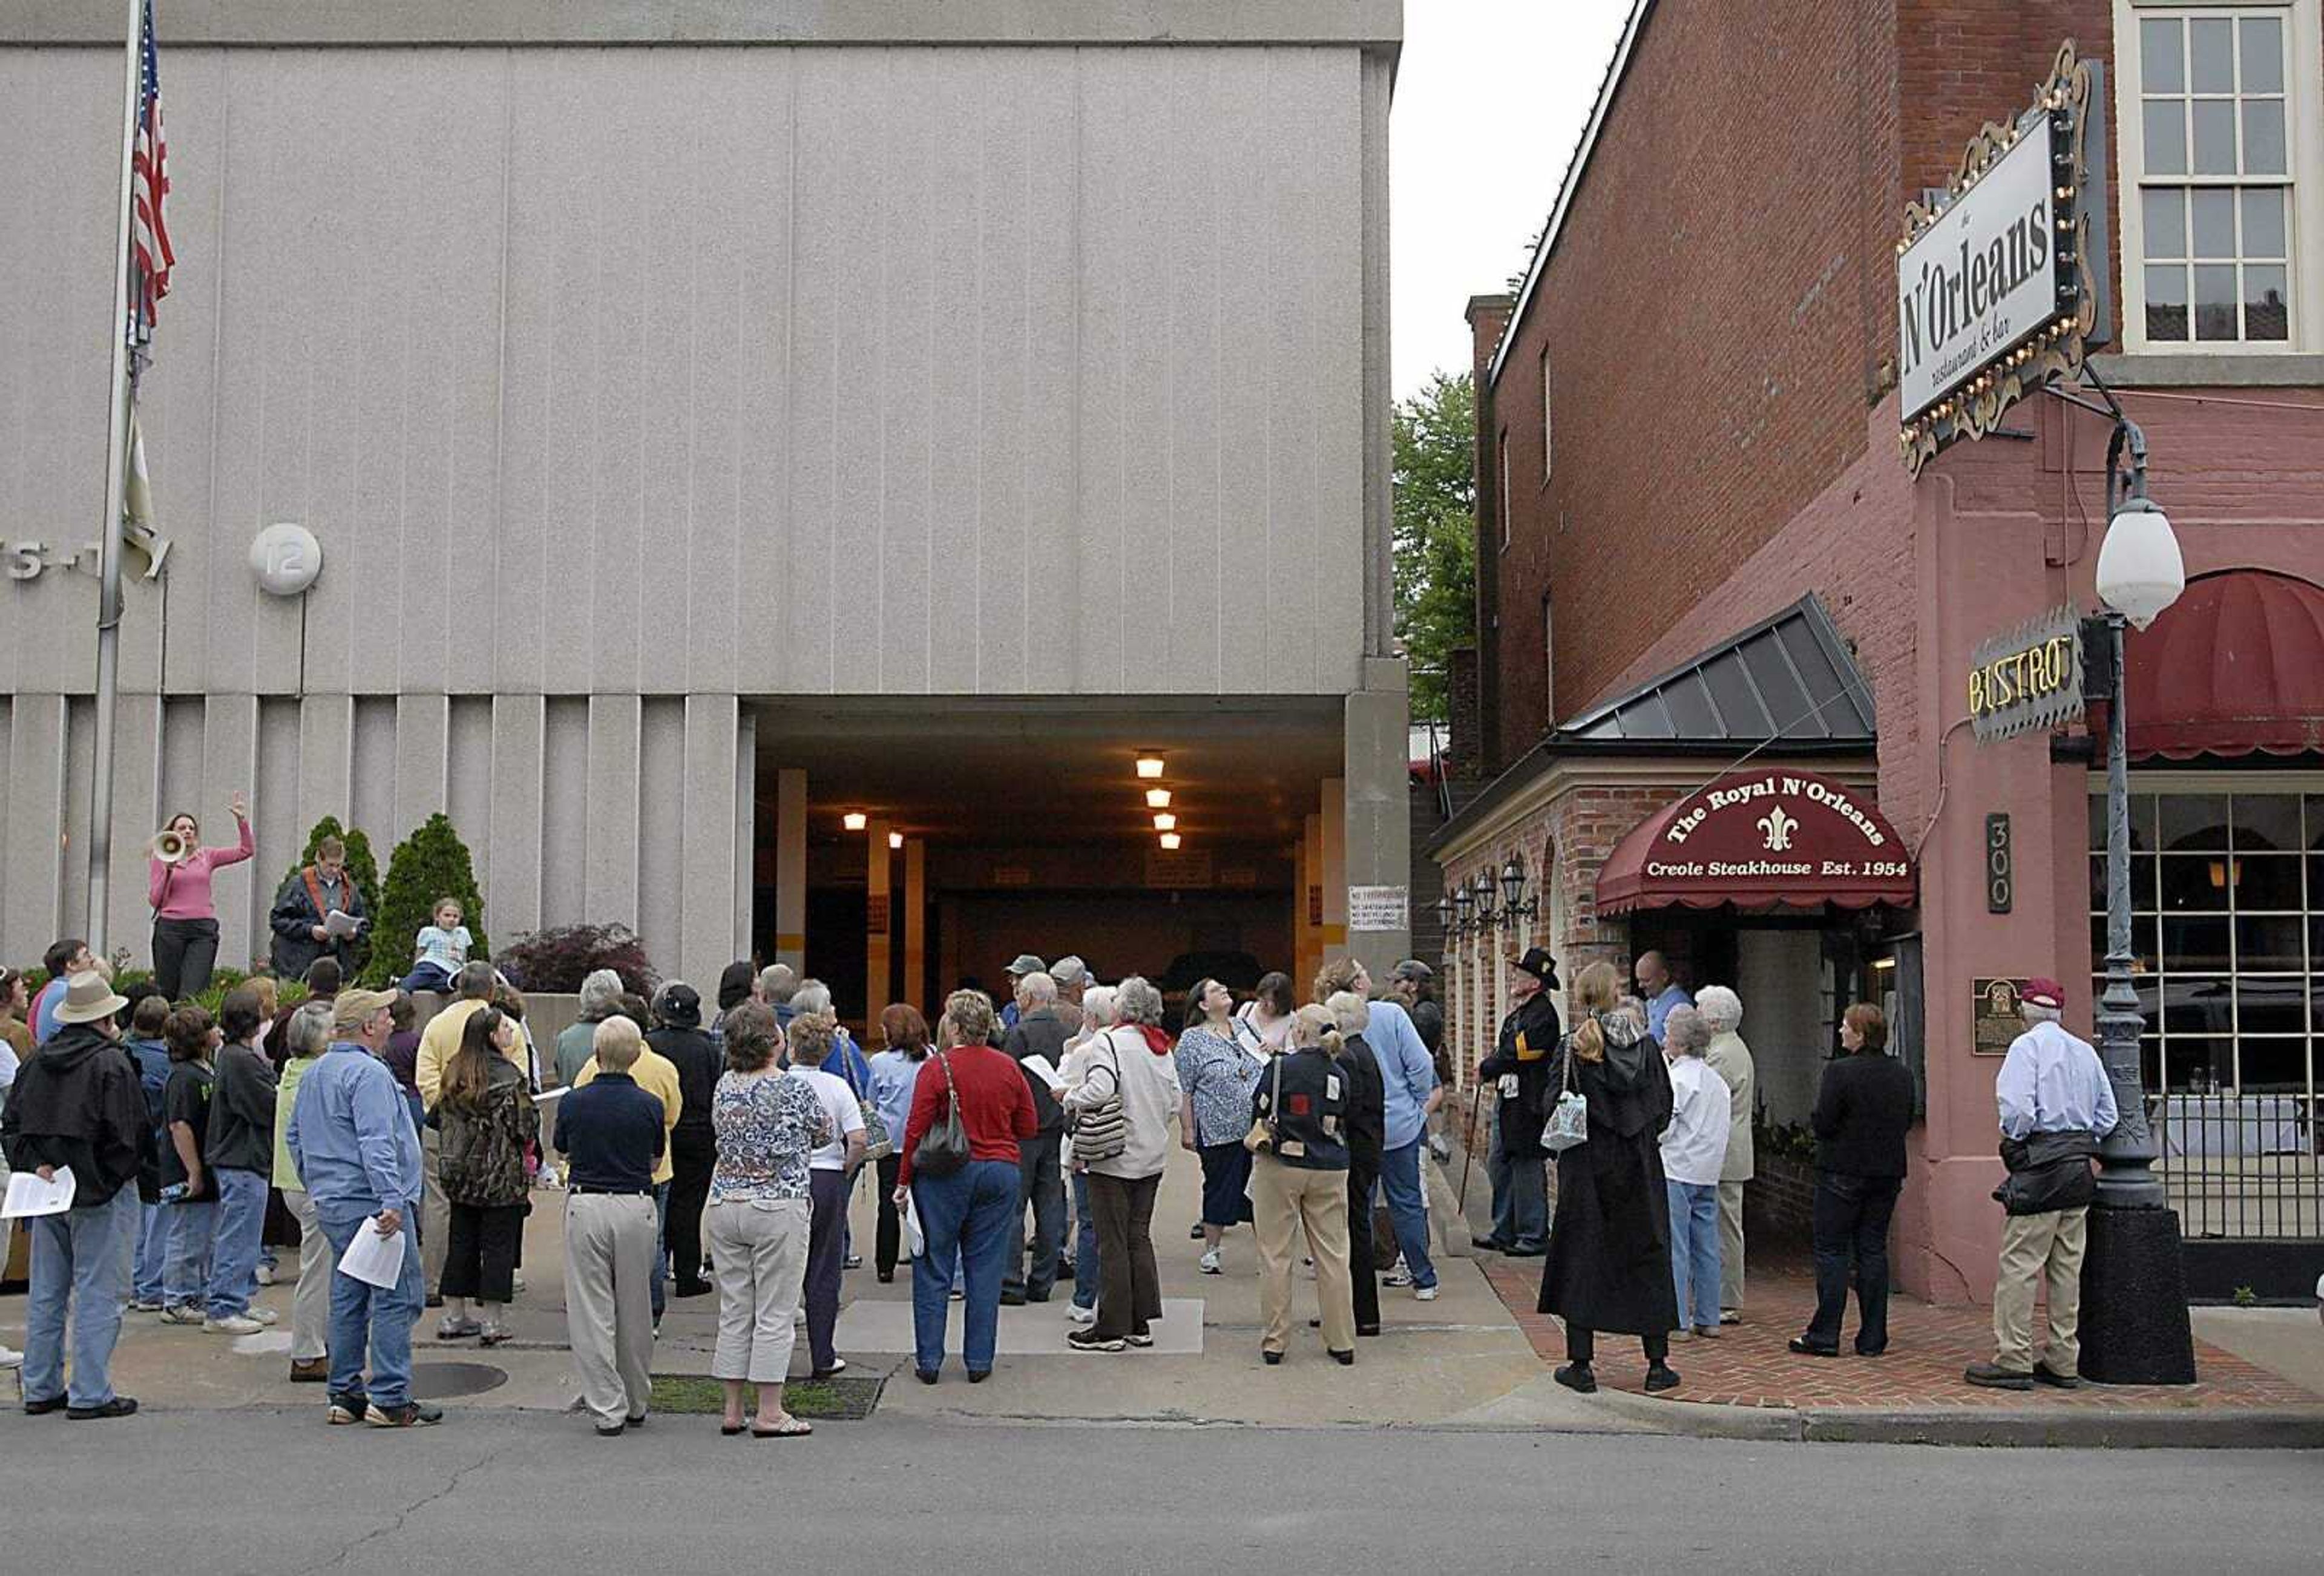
(1761, 839)
(1998, 276)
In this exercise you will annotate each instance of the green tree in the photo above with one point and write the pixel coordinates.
(363, 865)
(432, 864)
(1435, 529)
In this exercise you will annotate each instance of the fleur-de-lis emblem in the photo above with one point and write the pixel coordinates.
(1778, 827)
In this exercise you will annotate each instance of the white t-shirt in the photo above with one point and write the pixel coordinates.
(845, 1112)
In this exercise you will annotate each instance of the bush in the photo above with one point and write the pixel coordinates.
(558, 960)
(363, 866)
(429, 864)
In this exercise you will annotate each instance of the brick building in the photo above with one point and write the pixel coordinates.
(1701, 559)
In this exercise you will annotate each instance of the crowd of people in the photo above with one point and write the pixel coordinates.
(1016, 1147)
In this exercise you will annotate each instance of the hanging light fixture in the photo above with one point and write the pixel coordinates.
(895, 840)
(1164, 821)
(855, 820)
(1158, 798)
(1149, 767)
(1170, 840)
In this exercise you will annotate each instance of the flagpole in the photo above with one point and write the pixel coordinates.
(117, 442)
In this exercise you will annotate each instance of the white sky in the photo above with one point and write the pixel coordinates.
(1517, 76)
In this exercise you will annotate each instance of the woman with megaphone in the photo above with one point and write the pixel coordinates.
(185, 912)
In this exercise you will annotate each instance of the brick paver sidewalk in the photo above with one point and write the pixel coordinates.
(1751, 1365)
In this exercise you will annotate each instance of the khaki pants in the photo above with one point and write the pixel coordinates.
(760, 1251)
(311, 1303)
(1730, 1247)
(435, 1211)
(1283, 1200)
(609, 1259)
(2039, 1247)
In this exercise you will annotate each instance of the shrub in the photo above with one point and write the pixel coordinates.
(363, 866)
(561, 958)
(429, 864)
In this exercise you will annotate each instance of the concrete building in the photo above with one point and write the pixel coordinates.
(1700, 557)
(716, 420)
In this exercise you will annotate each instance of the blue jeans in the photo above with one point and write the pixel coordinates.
(660, 1284)
(429, 976)
(76, 1279)
(191, 1227)
(369, 1320)
(972, 1215)
(234, 1251)
(1694, 1252)
(1085, 1263)
(153, 1253)
(1520, 1193)
(1408, 1207)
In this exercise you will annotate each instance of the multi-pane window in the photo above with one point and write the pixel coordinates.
(2214, 176)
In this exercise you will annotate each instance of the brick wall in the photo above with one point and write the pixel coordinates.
(1465, 719)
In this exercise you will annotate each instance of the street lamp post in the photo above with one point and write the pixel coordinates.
(2135, 1328)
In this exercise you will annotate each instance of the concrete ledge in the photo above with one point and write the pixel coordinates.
(272, 24)
(2149, 1428)
(2209, 370)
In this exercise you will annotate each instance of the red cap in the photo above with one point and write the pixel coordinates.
(2044, 993)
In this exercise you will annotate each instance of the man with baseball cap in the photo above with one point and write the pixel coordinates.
(2056, 1103)
(77, 1105)
(350, 1136)
(1026, 963)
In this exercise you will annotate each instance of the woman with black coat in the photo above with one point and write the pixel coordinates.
(1367, 1126)
(1608, 1266)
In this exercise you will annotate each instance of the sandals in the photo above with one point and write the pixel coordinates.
(788, 1428)
(494, 1335)
(457, 1329)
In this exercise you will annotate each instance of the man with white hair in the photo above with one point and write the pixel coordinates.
(778, 983)
(1731, 1058)
(2056, 1102)
(1038, 1032)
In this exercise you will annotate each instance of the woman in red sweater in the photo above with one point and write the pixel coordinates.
(971, 1214)
(185, 911)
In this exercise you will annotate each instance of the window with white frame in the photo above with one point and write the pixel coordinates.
(2217, 110)
(1548, 449)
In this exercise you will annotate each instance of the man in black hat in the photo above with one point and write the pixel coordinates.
(1520, 1064)
(680, 1040)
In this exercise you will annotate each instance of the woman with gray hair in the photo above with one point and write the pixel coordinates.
(1731, 1058)
(601, 998)
(1131, 1070)
(1367, 1126)
(1695, 1147)
(1099, 1012)
(306, 1036)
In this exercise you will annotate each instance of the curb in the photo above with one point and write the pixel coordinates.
(2144, 1428)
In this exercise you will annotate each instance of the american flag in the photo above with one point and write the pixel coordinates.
(150, 257)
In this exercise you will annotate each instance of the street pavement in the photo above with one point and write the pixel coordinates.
(509, 1493)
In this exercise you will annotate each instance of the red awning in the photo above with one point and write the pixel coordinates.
(2235, 667)
(1760, 840)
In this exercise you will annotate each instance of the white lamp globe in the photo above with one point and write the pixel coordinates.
(2140, 570)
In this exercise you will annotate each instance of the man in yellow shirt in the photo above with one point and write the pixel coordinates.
(657, 1074)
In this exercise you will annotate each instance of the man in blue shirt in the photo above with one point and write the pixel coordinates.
(1410, 1092)
(350, 1136)
(611, 1134)
(1659, 991)
(1026, 963)
(2055, 1104)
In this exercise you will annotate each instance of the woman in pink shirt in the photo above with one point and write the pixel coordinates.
(185, 914)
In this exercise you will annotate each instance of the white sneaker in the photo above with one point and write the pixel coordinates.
(1424, 1293)
(263, 1315)
(1211, 1263)
(232, 1325)
(183, 1313)
(1080, 1315)
(11, 1357)
(266, 1274)
(516, 1283)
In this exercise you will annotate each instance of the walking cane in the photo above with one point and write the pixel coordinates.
(1468, 1147)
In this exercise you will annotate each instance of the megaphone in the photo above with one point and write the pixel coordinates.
(169, 847)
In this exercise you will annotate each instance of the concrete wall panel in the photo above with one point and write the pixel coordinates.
(662, 898)
(608, 844)
(422, 766)
(229, 765)
(703, 809)
(565, 829)
(326, 760)
(276, 796)
(520, 796)
(31, 899)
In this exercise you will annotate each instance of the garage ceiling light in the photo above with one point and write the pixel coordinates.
(1170, 840)
(1164, 821)
(1149, 767)
(895, 840)
(1158, 798)
(855, 820)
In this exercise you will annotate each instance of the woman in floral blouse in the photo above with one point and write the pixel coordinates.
(1218, 1076)
(767, 1124)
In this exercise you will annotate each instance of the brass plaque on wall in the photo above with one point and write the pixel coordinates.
(1995, 1019)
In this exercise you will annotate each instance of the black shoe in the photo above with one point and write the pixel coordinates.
(637, 1422)
(1272, 1358)
(1091, 1340)
(692, 1288)
(411, 1414)
(1065, 1269)
(853, 1261)
(1661, 1376)
(977, 1376)
(119, 1406)
(1012, 1299)
(2043, 1374)
(1872, 1352)
(926, 1376)
(346, 1409)
(1807, 1347)
(1492, 1245)
(887, 1276)
(1992, 1376)
(1344, 1359)
(610, 1430)
(1034, 1296)
(1522, 1250)
(435, 1300)
(1368, 1330)
(43, 1409)
(1195, 1234)
(1577, 1377)
(1141, 1338)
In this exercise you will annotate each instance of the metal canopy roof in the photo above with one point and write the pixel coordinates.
(1790, 679)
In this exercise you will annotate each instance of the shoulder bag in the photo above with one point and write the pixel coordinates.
(943, 1148)
(877, 1144)
(1101, 1131)
(1569, 1123)
(1260, 1139)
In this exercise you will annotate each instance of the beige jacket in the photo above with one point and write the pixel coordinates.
(1731, 1058)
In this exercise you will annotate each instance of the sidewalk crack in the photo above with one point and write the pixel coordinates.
(396, 1523)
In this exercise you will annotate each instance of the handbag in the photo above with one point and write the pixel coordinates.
(1101, 1131)
(1260, 1139)
(1569, 1123)
(944, 1148)
(877, 1143)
